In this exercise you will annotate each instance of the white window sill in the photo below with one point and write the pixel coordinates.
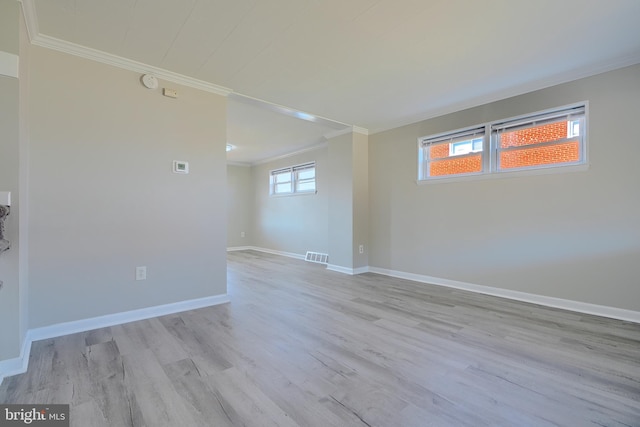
(304, 193)
(506, 174)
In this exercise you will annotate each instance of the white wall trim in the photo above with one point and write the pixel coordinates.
(19, 365)
(239, 248)
(336, 133)
(332, 267)
(265, 250)
(291, 154)
(30, 18)
(565, 304)
(340, 269)
(350, 129)
(361, 270)
(347, 270)
(124, 63)
(8, 64)
(358, 129)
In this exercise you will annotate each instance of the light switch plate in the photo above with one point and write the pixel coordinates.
(5, 198)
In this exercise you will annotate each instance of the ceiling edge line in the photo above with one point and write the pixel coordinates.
(358, 129)
(338, 133)
(127, 64)
(288, 111)
(558, 79)
(293, 153)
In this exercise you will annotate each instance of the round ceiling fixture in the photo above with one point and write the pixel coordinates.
(149, 81)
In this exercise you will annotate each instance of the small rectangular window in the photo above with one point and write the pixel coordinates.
(305, 178)
(293, 179)
(456, 153)
(541, 140)
(553, 139)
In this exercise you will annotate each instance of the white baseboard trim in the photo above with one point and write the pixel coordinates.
(361, 270)
(347, 270)
(19, 365)
(265, 250)
(340, 269)
(565, 304)
(238, 248)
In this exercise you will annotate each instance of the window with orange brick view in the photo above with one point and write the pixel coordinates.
(444, 161)
(540, 140)
(540, 145)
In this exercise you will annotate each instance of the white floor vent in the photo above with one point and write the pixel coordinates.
(317, 257)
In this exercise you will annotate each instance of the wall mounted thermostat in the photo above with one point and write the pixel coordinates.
(180, 166)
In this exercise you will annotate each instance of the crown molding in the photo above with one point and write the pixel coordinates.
(337, 133)
(350, 129)
(293, 153)
(240, 164)
(358, 129)
(30, 18)
(127, 64)
(287, 111)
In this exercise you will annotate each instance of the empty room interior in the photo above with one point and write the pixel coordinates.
(320, 212)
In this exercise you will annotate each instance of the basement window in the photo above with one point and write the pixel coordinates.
(299, 179)
(546, 139)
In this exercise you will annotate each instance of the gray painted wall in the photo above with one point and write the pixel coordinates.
(360, 200)
(240, 216)
(23, 196)
(103, 198)
(573, 235)
(297, 223)
(341, 201)
(10, 309)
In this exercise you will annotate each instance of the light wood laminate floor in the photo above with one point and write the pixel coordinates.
(302, 346)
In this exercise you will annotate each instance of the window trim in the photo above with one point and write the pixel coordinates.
(293, 179)
(490, 150)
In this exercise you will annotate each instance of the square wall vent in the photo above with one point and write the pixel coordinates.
(317, 257)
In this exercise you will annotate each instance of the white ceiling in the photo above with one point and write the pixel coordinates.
(374, 64)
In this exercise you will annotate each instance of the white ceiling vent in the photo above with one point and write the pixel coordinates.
(317, 257)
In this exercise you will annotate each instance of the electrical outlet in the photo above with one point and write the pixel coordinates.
(141, 273)
(361, 249)
(242, 234)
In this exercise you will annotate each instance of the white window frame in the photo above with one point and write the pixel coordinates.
(491, 151)
(460, 135)
(294, 180)
(452, 149)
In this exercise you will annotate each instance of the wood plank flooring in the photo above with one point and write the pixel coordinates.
(302, 346)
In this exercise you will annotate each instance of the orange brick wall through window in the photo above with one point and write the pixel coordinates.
(455, 165)
(441, 163)
(534, 156)
(534, 135)
(547, 155)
